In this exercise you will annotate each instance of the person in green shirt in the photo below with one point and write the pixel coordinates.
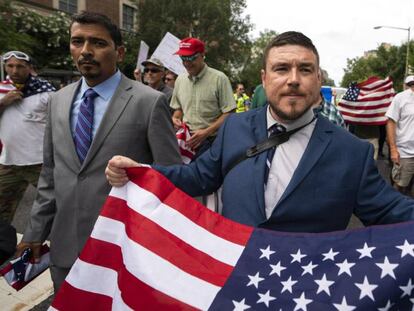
(202, 97)
(259, 97)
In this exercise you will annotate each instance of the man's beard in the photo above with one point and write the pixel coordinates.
(291, 116)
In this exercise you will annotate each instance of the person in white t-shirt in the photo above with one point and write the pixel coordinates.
(23, 109)
(400, 135)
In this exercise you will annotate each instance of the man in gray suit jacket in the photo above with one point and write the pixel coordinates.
(102, 115)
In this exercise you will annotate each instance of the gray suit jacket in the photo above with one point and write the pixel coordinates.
(136, 124)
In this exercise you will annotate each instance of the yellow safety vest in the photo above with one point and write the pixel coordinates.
(241, 102)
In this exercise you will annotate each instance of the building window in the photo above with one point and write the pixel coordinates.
(69, 6)
(128, 13)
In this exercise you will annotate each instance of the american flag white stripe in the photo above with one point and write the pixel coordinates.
(364, 112)
(370, 95)
(6, 86)
(148, 205)
(357, 120)
(183, 135)
(371, 84)
(105, 284)
(366, 103)
(155, 266)
(187, 288)
(384, 101)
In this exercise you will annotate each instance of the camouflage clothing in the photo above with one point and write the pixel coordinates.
(13, 183)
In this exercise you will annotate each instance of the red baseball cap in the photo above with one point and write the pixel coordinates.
(190, 46)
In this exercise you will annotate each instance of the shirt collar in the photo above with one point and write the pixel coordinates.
(304, 119)
(200, 74)
(104, 89)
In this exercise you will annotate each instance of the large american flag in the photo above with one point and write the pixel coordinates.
(155, 248)
(367, 102)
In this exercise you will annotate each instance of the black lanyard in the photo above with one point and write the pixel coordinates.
(270, 142)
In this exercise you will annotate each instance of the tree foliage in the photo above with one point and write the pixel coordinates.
(45, 38)
(249, 75)
(219, 23)
(386, 60)
(326, 80)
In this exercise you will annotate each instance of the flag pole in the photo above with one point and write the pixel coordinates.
(1, 68)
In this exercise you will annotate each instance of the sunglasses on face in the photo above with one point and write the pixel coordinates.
(18, 55)
(190, 58)
(153, 70)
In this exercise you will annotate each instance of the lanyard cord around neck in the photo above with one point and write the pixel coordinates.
(270, 142)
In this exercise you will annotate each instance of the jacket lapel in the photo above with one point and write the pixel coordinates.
(259, 126)
(318, 142)
(68, 99)
(115, 108)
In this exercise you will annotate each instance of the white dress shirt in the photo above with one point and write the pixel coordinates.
(286, 158)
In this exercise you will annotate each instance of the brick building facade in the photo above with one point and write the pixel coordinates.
(121, 12)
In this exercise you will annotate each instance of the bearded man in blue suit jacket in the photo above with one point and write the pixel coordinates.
(317, 179)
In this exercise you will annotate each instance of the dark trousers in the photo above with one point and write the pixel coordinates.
(13, 183)
(58, 275)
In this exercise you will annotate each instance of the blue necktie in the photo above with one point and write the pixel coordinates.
(273, 130)
(84, 125)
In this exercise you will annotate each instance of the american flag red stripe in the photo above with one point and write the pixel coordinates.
(191, 260)
(124, 266)
(374, 83)
(6, 86)
(366, 114)
(357, 107)
(367, 102)
(183, 135)
(128, 284)
(148, 228)
(176, 200)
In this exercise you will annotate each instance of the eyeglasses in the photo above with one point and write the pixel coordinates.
(153, 70)
(190, 58)
(18, 55)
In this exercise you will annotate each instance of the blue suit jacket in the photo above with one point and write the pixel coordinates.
(335, 178)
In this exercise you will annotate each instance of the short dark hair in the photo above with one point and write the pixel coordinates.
(86, 17)
(290, 38)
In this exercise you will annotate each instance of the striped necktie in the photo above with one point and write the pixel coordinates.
(84, 125)
(273, 130)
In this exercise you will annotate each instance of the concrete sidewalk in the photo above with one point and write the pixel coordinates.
(34, 293)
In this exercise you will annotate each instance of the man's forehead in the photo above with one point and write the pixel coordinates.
(288, 52)
(89, 30)
(15, 61)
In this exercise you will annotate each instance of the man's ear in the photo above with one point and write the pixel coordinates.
(121, 53)
(263, 74)
(320, 77)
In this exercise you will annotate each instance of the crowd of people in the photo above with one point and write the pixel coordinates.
(75, 143)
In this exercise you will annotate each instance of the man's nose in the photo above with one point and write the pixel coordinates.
(293, 79)
(86, 49)
(13, 70)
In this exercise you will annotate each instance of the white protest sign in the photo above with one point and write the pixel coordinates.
(165, 53)
(142, 54)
